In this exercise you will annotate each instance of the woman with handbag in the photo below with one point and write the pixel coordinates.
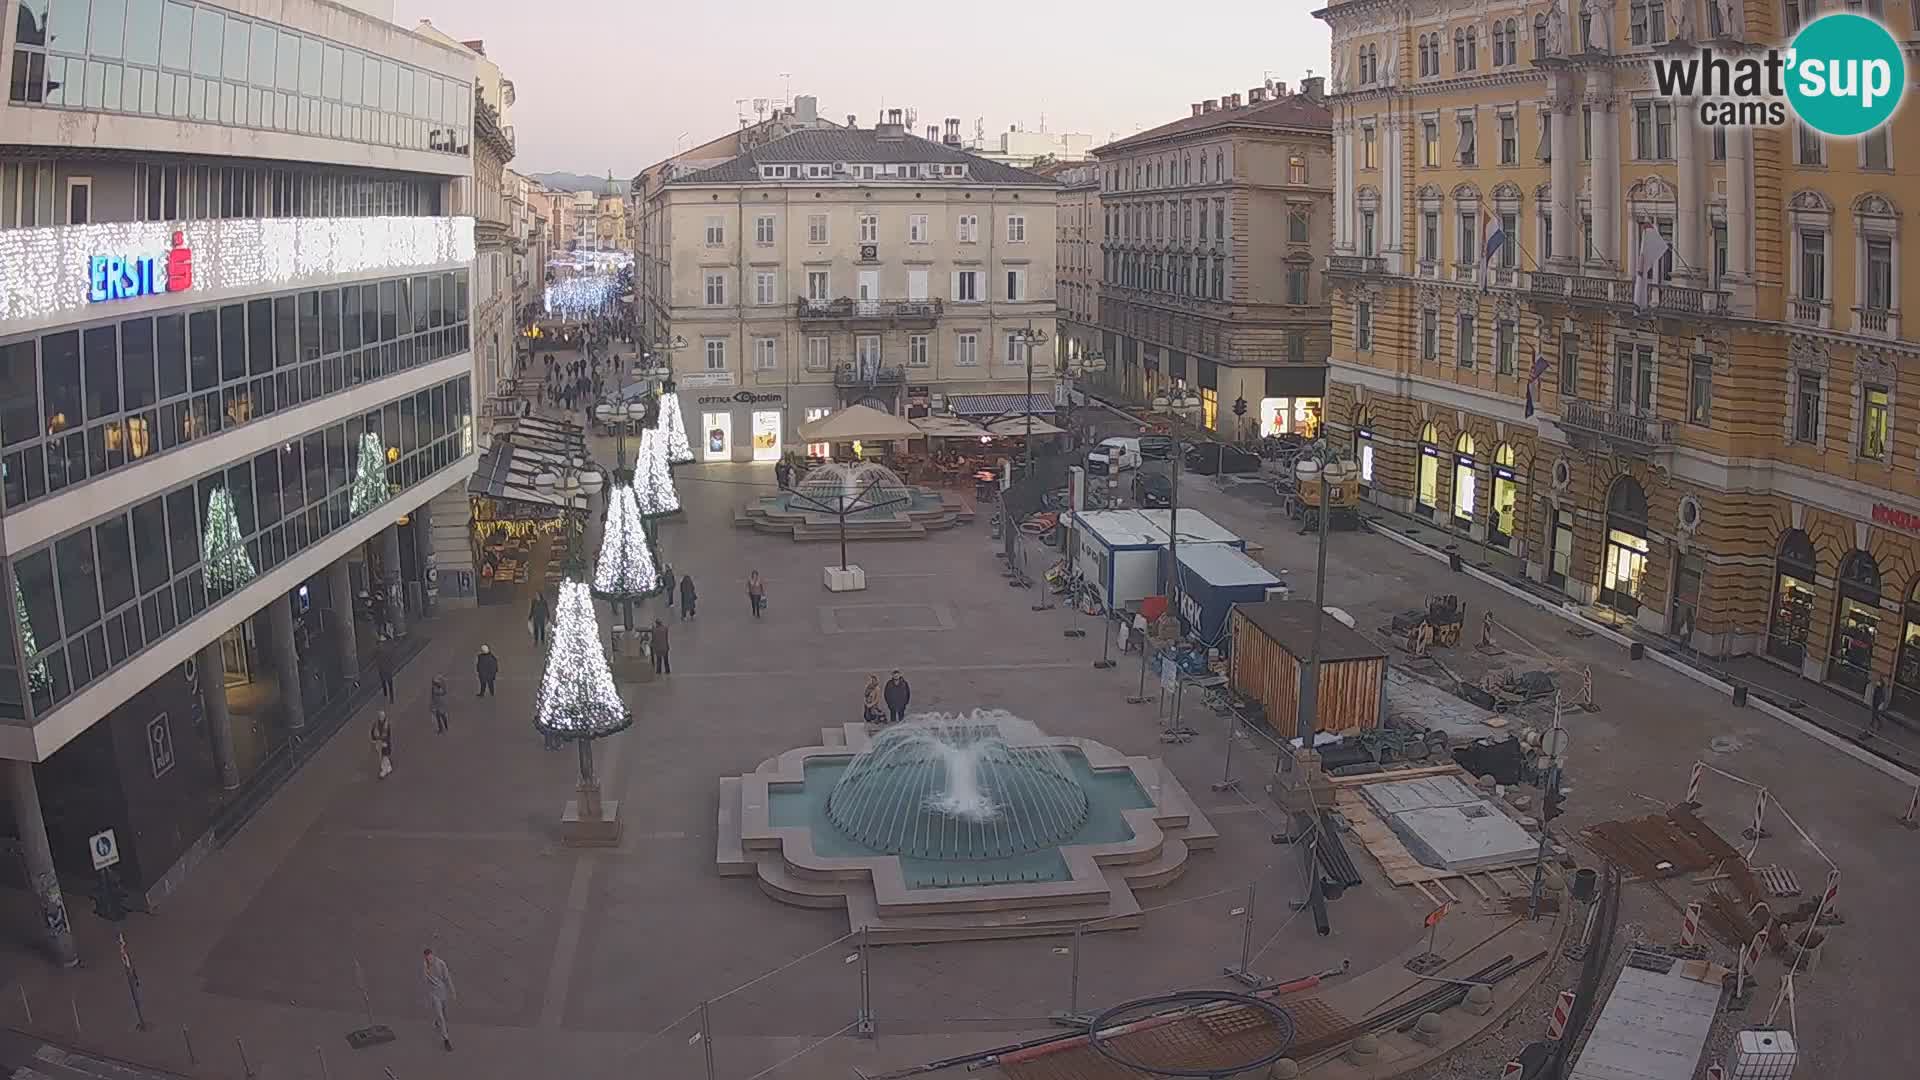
(756, 593)
(871, 710)
(382, 738)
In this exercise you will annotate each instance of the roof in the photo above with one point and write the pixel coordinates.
(1195, 527)
(1224, 565)
(1141, 528)
(860, 146)
(1289, 624)
(862, 423)
(1292, 113)
(999, 404)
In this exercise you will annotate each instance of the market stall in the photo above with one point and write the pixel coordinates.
(1270, 645)
(523, 509)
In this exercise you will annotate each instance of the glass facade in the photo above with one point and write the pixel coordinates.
(90, 600)
(85, 400)
(196, 62)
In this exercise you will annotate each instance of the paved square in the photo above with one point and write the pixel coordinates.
(884, 618)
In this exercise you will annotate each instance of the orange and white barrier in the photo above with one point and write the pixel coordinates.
(1562, 1011)
(1911, 819)
(1690, 926)
(1693, 781)
(1511, 1070)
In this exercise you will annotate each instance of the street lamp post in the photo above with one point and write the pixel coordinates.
(1029, 338)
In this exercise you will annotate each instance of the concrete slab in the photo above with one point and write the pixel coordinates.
(1462, 838)
(1654, 1027)
(1426, 793)
(1413, 702)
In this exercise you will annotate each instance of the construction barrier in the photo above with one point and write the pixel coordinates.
(1911, 819)
(1693, 781)
(1557, 1021)
(1832, 894)
(1511, 1069)
(1716, 1071)
(1690, 926)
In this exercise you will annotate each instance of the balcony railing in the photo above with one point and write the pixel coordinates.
(1809, 312)
(1618, 292)
(846, 310)
(1356, 264)
(1877, 321)
(1595, 290)
(851, 375)
(1550, 286)
(1623, 430)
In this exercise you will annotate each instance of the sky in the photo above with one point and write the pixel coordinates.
(605, 84)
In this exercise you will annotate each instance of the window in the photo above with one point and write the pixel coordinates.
(1018, 350)
(1791, 10)
(1809, 149)
(1719, 140)
(1016, 229)
(1633, 378)
(1586, 133)
(80, 196)
(1459, 49)
(716, 232)
(1469, 248)
(1016, 285)
(716, 290)
(1467, 140)
(1878, 294)
(966, 350)
(1464, 345)
(816, 228)
(1296, 285)
(716, 354)
(1539, 37)
(1499, 36)
(1569, 364)
(1586, 236)
(1700, 392)
(966, 286)
(764, 358)
(1510, 227)
(1873, 150)
(1813, 264)
(817, 287)
(1296, 169)
(1874, 407)
(968, 229)
(1719, 252)
(917, 350)
(1429, 335)
(1505, 344)
(869, 228)
(1368, 234)
(1363, 326)
(917, 228)
(1369, 150)
(819, 354)
(1430, 236)
(763, 229)
(1430, 143)
(1299, 224)
(1509, 140)
(1806, 412)
(763, 288)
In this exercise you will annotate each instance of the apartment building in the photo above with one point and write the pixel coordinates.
(1079, 236)
(1214, 230)
(234, 368)
(844, 266)
(1719, 456)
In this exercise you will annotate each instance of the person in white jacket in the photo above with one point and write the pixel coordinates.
(437, 981)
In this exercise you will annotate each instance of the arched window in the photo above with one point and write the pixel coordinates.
(1459, 50)
(1473, 60)
(1624, 559)
(1501, 517)
(1856, 625)
(1465, 481)
(1428, 495)
(1499, 37)
(1906, 669)
(1540, 36)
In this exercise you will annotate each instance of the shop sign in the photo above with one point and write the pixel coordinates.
(124, 277)
(702, 379)
(160, 746)
(744, 397)
(1896, 518)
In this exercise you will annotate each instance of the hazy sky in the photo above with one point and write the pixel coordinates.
(605, 85)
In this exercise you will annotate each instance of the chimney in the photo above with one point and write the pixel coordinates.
(1257, 95)
(1196, 108)
(892, 128)
(806, 108)
(933, 133)
(953, 131)
(1313, 88)
(1236, 101)
(852, 120)
(1206, 106)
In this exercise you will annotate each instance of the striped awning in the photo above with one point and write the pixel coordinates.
(507, 472)
(1001, 404)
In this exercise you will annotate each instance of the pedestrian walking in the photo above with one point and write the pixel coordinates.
(437, 981)
(537, 617)
(1876, 704)
(382, 738)
(898, 694)
(756, 593)
(383, 663)
(439, 700)
(782, 474)
(870, 710)
(688, 597)
(662, 649)
(487, 666)
(667, 579)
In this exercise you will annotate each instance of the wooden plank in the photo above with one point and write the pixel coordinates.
(1395, 774)
(1441, 884)
(1431, 899)
(1475, 886)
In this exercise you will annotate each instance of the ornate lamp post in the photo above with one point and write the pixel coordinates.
(1029, 339)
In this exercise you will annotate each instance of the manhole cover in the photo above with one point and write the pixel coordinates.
(1725, 744)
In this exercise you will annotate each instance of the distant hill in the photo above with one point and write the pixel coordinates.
(566, 181)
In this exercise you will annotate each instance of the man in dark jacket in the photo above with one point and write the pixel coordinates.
(687, 597)
(537, 618)
(487, 666)
(662, 645)
(383, 663)
(897, 694)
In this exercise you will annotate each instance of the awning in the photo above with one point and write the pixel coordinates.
(556, 437)
(1295, 380)
(948, 427)
(1000, 404)
(507, 473)
(1016, 427)
(859, 423)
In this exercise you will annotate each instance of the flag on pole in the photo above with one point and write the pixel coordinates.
(1496, 239)
(1653, 250)
(1434, 916)
(1533, 377)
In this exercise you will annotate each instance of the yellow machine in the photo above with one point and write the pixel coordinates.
(1334, 486)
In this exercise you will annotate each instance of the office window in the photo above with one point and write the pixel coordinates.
(1510, 227)
(1464, 345)
(967, 230)
(1633, 378)
(1810, 149)
(1018, 350)
(1363, 326)
(966, 286)
(1505, 343)
(1807, 412)
(1700, 391)
(763, 288)
(1296, 169)
(716, 231)
(716, 294)
(716, 354)
(816, 228)
(819, 354)
(1569, 364)
(1296, 285)
(763, 229)
(764, 358)
(1430, 143)
(917, 228)
(917, 350)
(1878, 294)
(1813, 264)
(1468, 251)
(1429, 335)
(1299, 224)
(1016, 285)
(1874, 409)
(817, 287)
(1509, 140)
(966, 351)
(869, 228)
(1017, 229)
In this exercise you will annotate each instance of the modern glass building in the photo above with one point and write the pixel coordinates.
(234, 367)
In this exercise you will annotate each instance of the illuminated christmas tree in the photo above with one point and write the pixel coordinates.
(653, 474)
(577, 697)
(679, 450)
(224, 553)
(627, 570)
(38, 679)
(369, 476)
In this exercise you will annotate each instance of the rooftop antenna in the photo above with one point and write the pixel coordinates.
(980, 131)
(760, 108)
(1043, 123)
(912, 114)
(787, 86)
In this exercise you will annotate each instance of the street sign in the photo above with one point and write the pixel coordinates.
(1554, 744)
(104, 848)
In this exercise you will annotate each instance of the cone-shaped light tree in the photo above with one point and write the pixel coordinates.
(628, 569)
(578, 699)
(38, 678)
(369, 476)
(679, 450)
(223, 552)
(653, 475)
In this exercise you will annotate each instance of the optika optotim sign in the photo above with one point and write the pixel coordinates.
(1843, 76)
(123, 277)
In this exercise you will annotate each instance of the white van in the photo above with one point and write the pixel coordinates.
(1114, 456)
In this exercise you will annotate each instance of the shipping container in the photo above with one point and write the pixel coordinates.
(1213, 578)
(1120, 552)
(1271, 643)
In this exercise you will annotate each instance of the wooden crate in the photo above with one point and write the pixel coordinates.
(1271, 642)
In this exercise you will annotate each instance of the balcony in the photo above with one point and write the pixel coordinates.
(1808, 312)
(1357, 265)
(1587, 291)
(1875, 321)
(1625, 432)
(853, 376)
(848, 313)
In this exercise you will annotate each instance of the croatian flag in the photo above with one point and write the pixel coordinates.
(1533, 378)
(1653, 250)
(1496, 239)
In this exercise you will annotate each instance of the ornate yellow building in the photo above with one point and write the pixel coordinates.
(1727, 458)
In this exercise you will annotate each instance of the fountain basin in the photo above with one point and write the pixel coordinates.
(880, 505)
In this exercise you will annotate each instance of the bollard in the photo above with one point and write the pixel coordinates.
(1284, 1069)
(1479, 1000)
(1690, 926)
(1364, 1050)
(1428, 1029)
(706, 1037)
(1557, 1020)
(187, 1038)
(246, 1067)
(865, 1028)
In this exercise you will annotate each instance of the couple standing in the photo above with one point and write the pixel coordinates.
(896, 694)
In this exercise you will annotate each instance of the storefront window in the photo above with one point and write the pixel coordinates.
(819, 449)
(1506, 497)
(1464, 481)
(1687, 574)
(1210, 408)
(1363, 454)
(1429, 495)
(1561, 545)
(766, 435)
(717, 439)
(1791, 620)
(1290, 416)
(1624, 562)
(1857, 623)
(1906, 672)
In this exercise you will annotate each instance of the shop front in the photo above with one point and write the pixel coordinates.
(1906, 669)
(1501, 518)
(1363, 453)
(524, 515)
(744, 425)
(1790, 621)
(1465, 483)
(1857, 622)
(1624, 562)
(1292, 401)
(1428, 494)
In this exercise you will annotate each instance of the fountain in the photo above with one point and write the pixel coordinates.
(874, 501)
(935, 828)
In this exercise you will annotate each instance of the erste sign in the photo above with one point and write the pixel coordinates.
(123, 277)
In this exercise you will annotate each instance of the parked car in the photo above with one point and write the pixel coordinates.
(1114, 456)
(1156, 447)
(1209, 458)
(1152, 490)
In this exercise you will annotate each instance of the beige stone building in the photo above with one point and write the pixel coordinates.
(840, 266)
(1215, 229)
(1079, 235)
(1728, 458)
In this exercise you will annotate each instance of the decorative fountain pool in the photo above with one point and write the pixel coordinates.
(959, 826)
(878, 505)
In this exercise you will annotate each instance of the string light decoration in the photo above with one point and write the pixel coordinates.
(582, 297)
(46, 272)
(224, 553)
(369, 476)
(577, 697)
(627, 569)
(653, 476)
(38, 678)
(679, 450)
